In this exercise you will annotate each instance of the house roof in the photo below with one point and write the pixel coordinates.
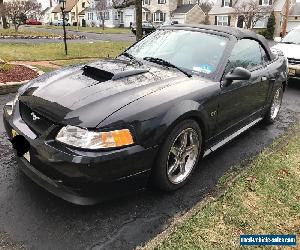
(295, 10)
(145, 9)
(183, 9)
(69, 6)
(218, 9)
(43, 12)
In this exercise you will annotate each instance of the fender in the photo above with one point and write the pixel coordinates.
(184, 110)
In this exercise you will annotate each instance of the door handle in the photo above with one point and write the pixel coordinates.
(264, 78)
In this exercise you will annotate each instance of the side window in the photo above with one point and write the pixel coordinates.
(246, 53)
(264, 55)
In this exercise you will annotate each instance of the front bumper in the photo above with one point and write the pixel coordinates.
(82, 177)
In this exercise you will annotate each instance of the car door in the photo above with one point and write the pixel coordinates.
(243, 99)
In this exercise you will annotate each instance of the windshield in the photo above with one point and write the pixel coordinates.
(194, 51)
(292, 37)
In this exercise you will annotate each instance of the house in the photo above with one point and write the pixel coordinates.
(72, 10)
(188, 13)
(294, 17)
(112, 17)
(159, 11)
(46, 15)
(224, 13)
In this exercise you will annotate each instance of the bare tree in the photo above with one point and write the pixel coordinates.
(119, 4)
(251, 12)
(2, 15)
(101, 8)
(17, 9)
(206, 6)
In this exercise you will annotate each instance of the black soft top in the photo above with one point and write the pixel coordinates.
(237, 32)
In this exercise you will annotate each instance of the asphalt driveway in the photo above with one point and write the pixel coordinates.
(37, 219)
(90, 37)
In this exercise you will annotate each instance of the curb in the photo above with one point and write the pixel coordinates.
(12, 87)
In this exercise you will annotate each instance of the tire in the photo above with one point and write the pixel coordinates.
(176, 162)
(275, 106)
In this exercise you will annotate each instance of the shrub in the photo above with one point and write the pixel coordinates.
(268, 33)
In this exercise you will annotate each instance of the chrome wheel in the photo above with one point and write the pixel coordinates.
(276, 104)
(183, 156)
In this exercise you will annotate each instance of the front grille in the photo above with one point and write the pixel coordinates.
(39, 125)
(294, 61)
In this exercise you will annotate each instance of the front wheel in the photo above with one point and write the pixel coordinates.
(273, 111)
(178, 156)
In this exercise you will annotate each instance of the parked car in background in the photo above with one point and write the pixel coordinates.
(166, 23)
(94, 131)
(60, 23)
(290, 46)
(147, 27)
(31, 21)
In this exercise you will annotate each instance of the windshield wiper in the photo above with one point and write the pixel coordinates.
(131, 57)
(166, 63)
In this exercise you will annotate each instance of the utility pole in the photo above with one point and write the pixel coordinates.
(63, 4)
(286, 17)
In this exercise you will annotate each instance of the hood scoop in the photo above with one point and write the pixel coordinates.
(103, 75)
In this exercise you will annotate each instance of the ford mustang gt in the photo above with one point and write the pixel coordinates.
(91, 132)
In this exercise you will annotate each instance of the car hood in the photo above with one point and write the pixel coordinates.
(289, 50)
(86, 95)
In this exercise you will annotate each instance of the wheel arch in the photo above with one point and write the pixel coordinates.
(183, 111)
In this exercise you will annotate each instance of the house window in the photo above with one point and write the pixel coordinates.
(222, 20)
(90, 16)
(55, 16)
(106, 15)
(159, 17)
(83, 5)
(261, 23)
(226, 3)
(146, 2)
(116, 15)
(72, 16)
(265, 2)
(161, 1)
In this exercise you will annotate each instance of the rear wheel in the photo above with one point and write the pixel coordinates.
(273, 111)
(178, 156)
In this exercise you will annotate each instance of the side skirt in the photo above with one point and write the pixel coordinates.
(231, 137)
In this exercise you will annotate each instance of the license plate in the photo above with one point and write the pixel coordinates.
(292, 72)
(27, 154)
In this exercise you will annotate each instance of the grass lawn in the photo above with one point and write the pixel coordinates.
(72, 61)
(264, 200)
(89, 29)
(55, 51)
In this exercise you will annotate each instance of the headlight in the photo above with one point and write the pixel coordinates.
(83, 138)
(11, 105)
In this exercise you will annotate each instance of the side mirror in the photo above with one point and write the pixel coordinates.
(277, 39)
(238, 73)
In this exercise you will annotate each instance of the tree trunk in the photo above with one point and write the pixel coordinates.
(103, 24)
(16, 27)
(138, 19)
(4, 22)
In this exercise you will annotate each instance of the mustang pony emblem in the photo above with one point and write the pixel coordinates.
(34, 116)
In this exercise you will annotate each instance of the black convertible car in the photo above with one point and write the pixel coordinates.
(90, 132)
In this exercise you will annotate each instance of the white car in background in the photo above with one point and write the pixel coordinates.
(290, 46)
